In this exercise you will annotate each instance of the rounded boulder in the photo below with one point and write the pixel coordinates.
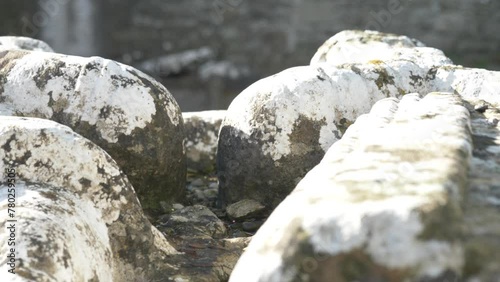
(127, 113)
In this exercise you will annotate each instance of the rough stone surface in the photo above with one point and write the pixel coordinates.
(280, 127)
(354, 46)
(127, 113)
(482, 202)
(383, 204)
(472, 84)
(206, 259)
(209, 248)
(202, 132)
(23, 43)
(372, 47)
(78, 218)
(193, 221)
(211, 243)
(202, 190)
(244, 209)
(461, 220)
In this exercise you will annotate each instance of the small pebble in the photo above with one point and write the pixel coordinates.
(251, 226)
(177, 206)
(198, 182)
(210, 193)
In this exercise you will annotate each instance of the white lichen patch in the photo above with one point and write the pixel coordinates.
(371, 46)
(59, 236)
(469, 83)
(94, 90)
(332, 92)
(33, 144)
(127, 113)
(23, 43)
(273, 107)
(372, 193)
(323, 93)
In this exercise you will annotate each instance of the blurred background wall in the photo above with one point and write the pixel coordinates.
(206, 51)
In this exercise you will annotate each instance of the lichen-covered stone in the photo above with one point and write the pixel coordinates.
(394, 70)
(280, 127)
(127, 113)
(384, 204)
(202, 132)
(23, 43)
(370, 47)
(470, 83)
(356, 46)
(77, 215)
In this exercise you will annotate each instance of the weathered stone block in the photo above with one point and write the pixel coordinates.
(77, 215)
(280, 127)
(385, 203)
(127, 113)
